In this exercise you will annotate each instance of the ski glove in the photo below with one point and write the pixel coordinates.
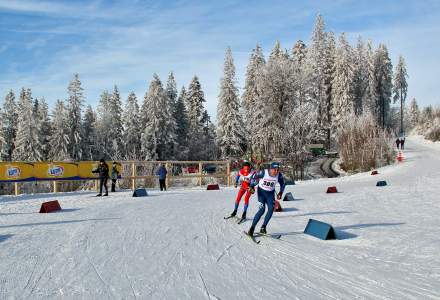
(251, 190)
(279, 195)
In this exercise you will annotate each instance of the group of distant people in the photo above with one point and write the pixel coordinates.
(105, 173)
(400, 141)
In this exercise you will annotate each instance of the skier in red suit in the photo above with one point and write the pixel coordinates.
(243, 179)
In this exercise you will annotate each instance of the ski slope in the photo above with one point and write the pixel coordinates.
(176, 245)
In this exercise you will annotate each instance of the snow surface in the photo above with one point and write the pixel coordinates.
(176, 245)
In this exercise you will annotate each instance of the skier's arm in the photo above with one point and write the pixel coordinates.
(256, 177)
(282, 185)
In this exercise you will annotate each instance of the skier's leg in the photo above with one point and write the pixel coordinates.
(262, 208)
(105, 186)
(270, 200)
(101, 184)
(238, 199)
(246, 203)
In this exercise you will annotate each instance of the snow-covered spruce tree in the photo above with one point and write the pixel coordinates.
(182, 126)
(230, 126)
(195, 98)
(104, 143)
(210, 150)
(132, 132)
(250, 96)
(343, 84)
(370, 99)
(59, 139)
(171, 137)
(89, 142)
(43, 123)
(116, 126)
(276, 90)
(319, 70)
(153, 139)
(400, 88)
(74, 111)
(9, 128)
(360, 80)
(26, 141)
(413, 113)
(298, 57)
(384, 84)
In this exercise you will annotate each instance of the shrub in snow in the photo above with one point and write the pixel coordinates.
(363, 145)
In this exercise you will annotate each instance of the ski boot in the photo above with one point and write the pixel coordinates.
(263, 229)
(251, 231)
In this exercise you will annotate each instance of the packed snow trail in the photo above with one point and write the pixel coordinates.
(176, 244)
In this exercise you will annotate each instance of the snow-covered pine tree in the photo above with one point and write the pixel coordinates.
(370, 99)
(325, 123)
(195, 98)
(276, 90)
(343, 85)
(318, 69)
(89, 138)
(43, 123)
(230, 126)
(153, 139)
(74, 111)
(9, 128)
(182, 126)
(250, 96)
(26, 140)
(400, 87)
(132, 133)
(384, 84)
(170, 118)
(116, 126)
(210, 149)
(414, 113)
(360, 76)
(104, 143)
(59, 139)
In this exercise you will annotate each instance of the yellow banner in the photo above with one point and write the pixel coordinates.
(16, 171)
(85, 169)
(55, 171)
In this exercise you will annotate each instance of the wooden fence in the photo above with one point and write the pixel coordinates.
(136, 174)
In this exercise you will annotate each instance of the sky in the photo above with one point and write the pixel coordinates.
(43, 43)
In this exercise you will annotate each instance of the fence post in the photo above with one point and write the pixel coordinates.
(167, 180)
(200, 173)
(16, 188)
(133, 174)
(228, 172)
(97, 185)
(55, 186)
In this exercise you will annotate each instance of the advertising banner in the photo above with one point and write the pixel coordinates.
(16, 171)
(56, 171)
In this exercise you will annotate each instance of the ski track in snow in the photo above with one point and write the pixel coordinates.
(176, 245)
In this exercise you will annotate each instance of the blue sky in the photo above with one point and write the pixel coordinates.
(43, 43)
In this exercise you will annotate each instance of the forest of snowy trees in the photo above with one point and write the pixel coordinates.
(293, 98)
(160, 129)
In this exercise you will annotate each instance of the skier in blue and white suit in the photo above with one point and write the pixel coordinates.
(266, 181)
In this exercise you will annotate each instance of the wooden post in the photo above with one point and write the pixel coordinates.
(97, 185)
(17, 191)
(228, 172)
(55, 186)
(200, 172)
(167, 181)
(133, 174)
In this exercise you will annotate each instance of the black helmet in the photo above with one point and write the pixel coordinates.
(102, 160)
(246, 164)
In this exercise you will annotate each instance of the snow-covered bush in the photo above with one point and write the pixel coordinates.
(433, 133)
(363, 145)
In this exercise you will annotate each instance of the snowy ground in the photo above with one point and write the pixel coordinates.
(176, 245)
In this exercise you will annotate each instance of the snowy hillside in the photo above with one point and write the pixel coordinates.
(176, 245)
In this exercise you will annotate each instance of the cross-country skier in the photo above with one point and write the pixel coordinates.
(243, 179)
(266, 181)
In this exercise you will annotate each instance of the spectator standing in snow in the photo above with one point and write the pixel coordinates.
(114, 176)
(162, 173)
(397, 143)
(402, 143)
(102, 170)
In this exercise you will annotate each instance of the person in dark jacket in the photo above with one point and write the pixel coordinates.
(402, 143)
(162, 173)
(114, 176)
(398, 143)
(102, 170)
